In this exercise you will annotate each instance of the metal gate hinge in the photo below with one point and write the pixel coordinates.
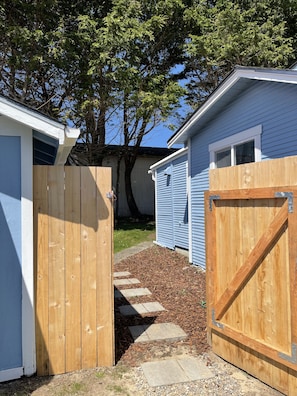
(211, 199)
(288, 358)
(213, 318)
(289, 196)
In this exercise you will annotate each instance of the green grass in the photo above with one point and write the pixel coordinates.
(128, 232)
(72, 389)
(117, 389)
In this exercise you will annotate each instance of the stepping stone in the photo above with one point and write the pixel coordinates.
(174, 371)
(157, 332)
(138, 309)
(141, 291)
(129, 281)
(119, 274)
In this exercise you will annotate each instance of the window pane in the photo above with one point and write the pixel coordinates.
(223, 158)
(245, 153)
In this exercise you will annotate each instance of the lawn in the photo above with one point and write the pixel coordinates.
(128, 232)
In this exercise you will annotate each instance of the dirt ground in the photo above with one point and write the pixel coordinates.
(180, 288)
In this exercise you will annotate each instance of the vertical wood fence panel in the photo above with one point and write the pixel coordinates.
(73, 228)
(251, 269)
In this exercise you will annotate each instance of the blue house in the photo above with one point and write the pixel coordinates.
(251, 116)
(27, 137)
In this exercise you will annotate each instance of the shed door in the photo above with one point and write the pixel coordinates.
(180, 203)
(164, 204)
(10, 258)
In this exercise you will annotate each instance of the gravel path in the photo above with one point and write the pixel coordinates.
(181, 289)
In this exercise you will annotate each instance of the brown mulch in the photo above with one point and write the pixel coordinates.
(179, 287)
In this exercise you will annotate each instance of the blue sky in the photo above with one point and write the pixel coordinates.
(158, 137)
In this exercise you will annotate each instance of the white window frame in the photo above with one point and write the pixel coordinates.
(231, 141)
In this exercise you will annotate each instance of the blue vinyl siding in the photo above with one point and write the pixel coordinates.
(10, 248)
(164, 207)
(180, 203)
(272, 105)
(172, 204)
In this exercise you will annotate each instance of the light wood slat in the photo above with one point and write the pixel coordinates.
(245, 241)
(211, 254)
(73, 268)
(56, 271)
(255, 345)
(41, 262)
(251, 361)
(89, 228)
(291, 385)
(276, 172)
(292, 223)
(105, 295)
(251, 263)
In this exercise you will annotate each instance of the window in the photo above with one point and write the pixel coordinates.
(237, 149)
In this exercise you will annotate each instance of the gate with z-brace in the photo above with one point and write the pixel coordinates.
(252, 281)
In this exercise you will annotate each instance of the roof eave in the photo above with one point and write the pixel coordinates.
(169, 158)
(37, 121)
(70, 137)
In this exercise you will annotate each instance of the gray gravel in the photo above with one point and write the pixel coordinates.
(227, 381)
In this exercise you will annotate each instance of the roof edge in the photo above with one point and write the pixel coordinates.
(263, 74)
(170, 157)
(46, 125)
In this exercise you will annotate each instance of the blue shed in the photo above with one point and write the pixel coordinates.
(251, 116)
(27, 137)
(171, 200)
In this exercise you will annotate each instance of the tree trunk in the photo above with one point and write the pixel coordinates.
(129, 164)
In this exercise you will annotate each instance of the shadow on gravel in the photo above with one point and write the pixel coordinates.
(123, 337)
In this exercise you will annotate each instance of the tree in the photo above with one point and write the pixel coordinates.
(112, 67)
(131, 58)
(146, 52)
(229, 33)
(28, 72)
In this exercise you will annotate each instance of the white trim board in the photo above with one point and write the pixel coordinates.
(241, 137)
(169, 158)
(11, 374)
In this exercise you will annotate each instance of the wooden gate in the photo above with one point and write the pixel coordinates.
(252, 273)
(73, 225)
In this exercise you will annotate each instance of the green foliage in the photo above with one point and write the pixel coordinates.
(230, 33)
(120, 67)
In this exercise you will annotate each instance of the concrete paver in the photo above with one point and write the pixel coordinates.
(131, 251)
(141, 291)
(157, 332)
(173, 371)
(140, 309)
(122, 273)
(128, 281)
